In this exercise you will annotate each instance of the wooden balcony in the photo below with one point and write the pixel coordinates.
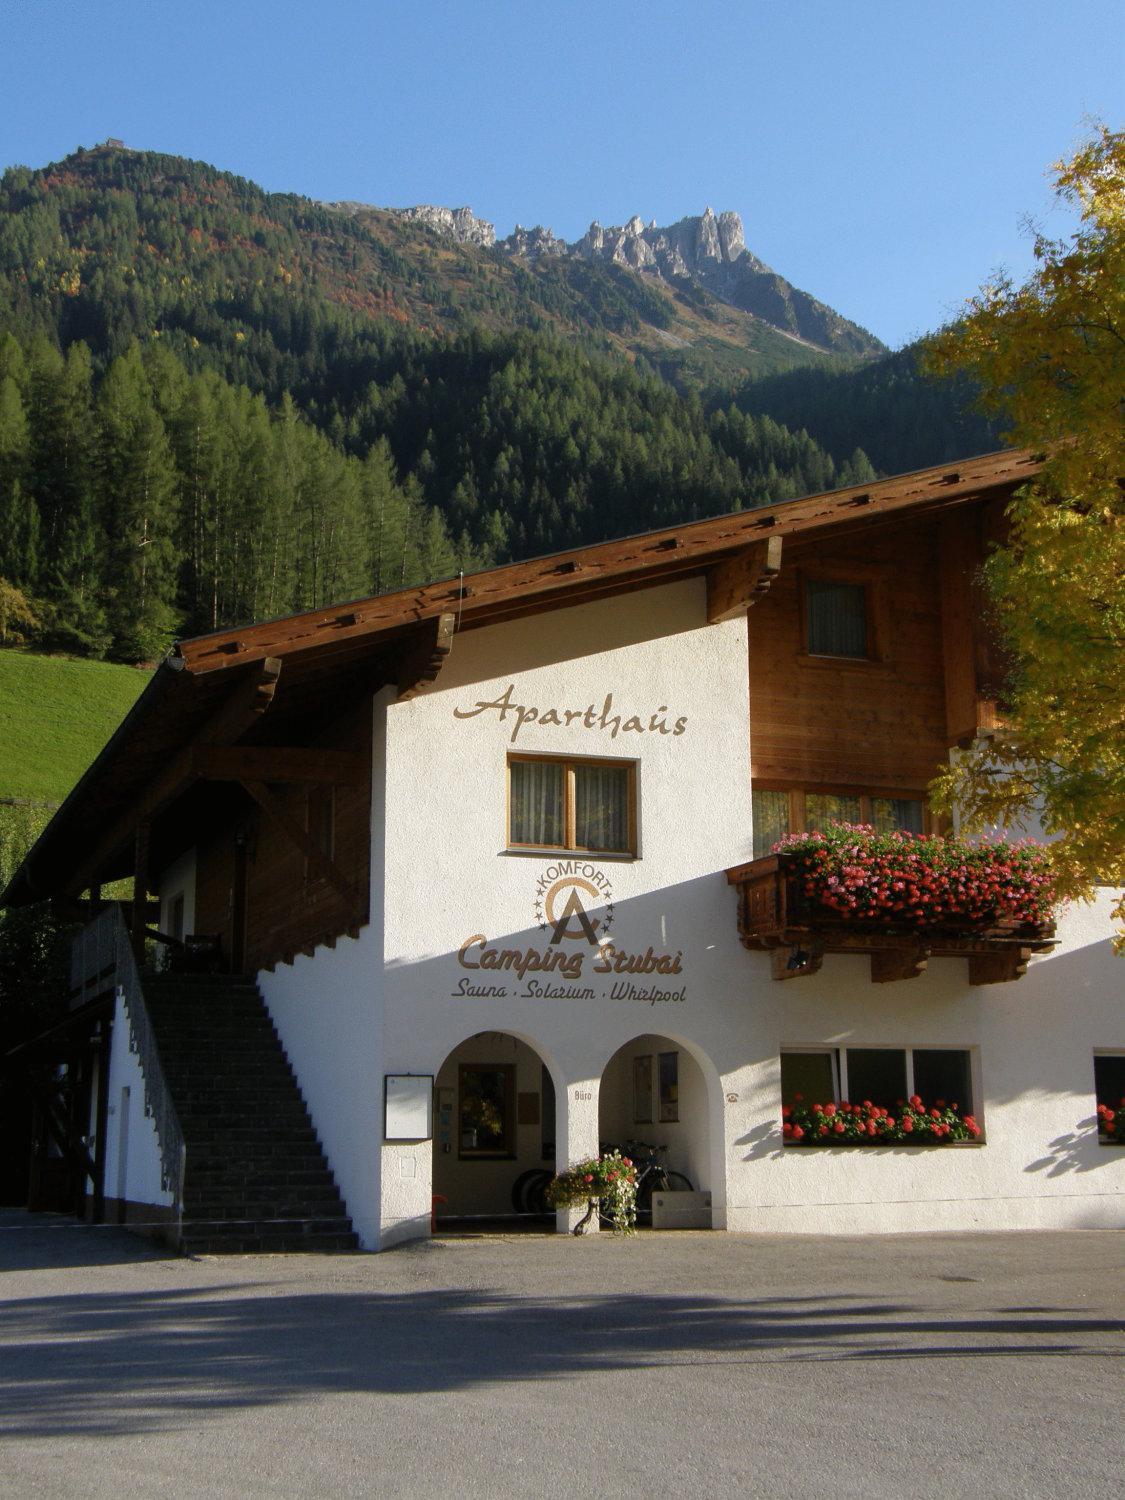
(775, 916)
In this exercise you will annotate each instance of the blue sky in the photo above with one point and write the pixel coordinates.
(885, 156)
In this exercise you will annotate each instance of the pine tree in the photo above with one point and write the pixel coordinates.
(138, 512)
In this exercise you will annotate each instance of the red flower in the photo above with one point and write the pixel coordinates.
(824, 1130)
(871, 1127)
(787, 1129)
(839, 1127)
(908, 1124)
(798, 1133)
(588, 1178)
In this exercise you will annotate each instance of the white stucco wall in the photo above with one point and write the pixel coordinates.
(401, 999)
(132, 1170)
(324, 1008)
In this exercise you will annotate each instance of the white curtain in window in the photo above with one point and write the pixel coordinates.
(837, 618)
(890, 813)
(771, 819)
(822, 808)
(601, 807)
(536, 802)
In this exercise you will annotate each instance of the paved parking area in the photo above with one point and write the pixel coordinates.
(668, 1365)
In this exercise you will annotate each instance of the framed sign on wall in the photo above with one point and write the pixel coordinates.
(408, 1106)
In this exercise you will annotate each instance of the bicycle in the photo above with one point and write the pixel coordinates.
(653, 1176)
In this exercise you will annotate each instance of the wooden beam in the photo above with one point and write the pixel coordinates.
(999, 968)
(891, 964)
(424, 655)
(319, 862)
(736, 583)
(244, 706)
(274, 763)
(141, 839)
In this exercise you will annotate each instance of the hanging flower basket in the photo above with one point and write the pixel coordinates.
(610, 1180)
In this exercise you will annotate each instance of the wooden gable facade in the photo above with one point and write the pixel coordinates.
(252, 746)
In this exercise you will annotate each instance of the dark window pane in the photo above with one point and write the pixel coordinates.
(669, 1086)
(837, 618)
(891, 813)
(878, 1074)
(1109, 1080)
(601, 807)
(536, 802)
(485, 1111)
(809, 1074)
(943, 1078)
(771, 819)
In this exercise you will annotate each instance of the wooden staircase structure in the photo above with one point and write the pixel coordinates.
(256, 1178)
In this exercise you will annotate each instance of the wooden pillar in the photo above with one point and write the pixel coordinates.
(140, 886)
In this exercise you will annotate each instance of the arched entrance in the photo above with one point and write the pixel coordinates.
(653, 1092)
(494, 1135)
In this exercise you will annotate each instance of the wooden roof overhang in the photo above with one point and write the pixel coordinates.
(203, 696)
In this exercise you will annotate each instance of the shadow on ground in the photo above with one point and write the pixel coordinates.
(98, 1364)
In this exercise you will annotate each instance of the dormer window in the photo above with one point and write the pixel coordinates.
(836, 619)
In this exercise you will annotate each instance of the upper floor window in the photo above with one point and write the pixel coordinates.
(777, 812)
(585, 805)
(836, 618)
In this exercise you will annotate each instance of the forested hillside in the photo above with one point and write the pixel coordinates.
(901, 419)
(274, 290)
(220, 405)
(149, 500)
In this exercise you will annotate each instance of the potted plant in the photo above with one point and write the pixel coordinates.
(610, 1180)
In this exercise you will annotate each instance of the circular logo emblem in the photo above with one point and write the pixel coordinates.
(574, 901)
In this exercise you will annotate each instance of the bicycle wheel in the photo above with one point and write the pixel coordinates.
(676, 1182)
(528, 1191)
(535, 1195)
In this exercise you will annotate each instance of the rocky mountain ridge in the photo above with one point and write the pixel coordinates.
(707, 250)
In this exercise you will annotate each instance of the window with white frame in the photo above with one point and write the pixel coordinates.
(887, 1076)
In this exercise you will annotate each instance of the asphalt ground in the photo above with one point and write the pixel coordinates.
(665, 1365)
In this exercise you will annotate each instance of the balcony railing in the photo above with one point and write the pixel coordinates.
(775, 915)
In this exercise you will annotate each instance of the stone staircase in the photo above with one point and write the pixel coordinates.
(256, 1178)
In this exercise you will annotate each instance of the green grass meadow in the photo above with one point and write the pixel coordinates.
(56, 713)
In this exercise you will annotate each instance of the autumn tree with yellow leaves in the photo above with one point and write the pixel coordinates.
(1050, 357)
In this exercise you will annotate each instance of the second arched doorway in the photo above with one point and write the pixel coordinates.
(654, 1099)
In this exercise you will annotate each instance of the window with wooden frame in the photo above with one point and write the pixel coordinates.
(781, 810)
(843, 616)
(589, 806)
(486, 1111)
